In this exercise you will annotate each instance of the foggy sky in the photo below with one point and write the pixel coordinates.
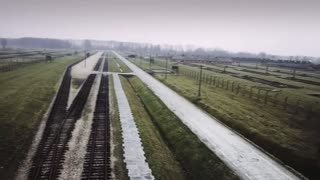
(283, 27)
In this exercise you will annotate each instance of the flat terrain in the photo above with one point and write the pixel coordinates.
(161, 160)
(25, 95)
(115, 65)
(290, 134)
(184, 150)
(240, 155)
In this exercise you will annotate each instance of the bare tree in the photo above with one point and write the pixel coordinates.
(4, 43)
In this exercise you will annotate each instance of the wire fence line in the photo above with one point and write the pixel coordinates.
(260, 94)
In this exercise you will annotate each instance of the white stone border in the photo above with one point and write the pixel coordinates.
(134, 157)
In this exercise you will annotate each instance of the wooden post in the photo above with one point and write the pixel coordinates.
(294, 73)
(244, 90)
(200, 82)
(285, 103)
(275, 100)
(267, 68)
(251, 89)
(266, 97)
(258, 98)
(166, 68)
(238, 87)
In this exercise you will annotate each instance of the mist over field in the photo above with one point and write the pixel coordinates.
(285, 27)
(160, 89)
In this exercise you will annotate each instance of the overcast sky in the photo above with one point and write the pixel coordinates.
(284, 27)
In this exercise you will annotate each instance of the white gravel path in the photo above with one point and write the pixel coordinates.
(134, 157)
(244, 158)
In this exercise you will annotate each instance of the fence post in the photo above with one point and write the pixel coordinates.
(275, 100)
(244, 90)
(258, 98)
(285, 103)
(251, 89)
(266, 97)
(238, 87)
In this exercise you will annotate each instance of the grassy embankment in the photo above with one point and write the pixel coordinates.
(197, 161)
(25, 95)
(287, 135)
(161, 160)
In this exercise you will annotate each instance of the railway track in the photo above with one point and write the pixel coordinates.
(97, 163)
(97, 66)
(49, 157)
(105, 66)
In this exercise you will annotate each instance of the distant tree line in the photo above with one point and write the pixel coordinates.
(39, 43)
(147, 49)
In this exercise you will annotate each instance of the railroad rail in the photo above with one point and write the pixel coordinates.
(49, 157)
(97, 66)
(105, 66)
(97, 163)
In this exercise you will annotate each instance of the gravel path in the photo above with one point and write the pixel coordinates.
(244, 158)
(134, 157)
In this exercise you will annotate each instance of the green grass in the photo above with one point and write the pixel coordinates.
(25, 95)
(161, 160)
(288, 136)
(293, 94)
(197, 160)
(115, 65)
(145, 63)
(119, 167)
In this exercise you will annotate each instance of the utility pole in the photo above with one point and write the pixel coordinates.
(200, 81)
(150, 63)
(166, 68)
(85, 60)
(294, 73)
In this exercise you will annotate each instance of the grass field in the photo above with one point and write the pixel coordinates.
(196, 159)
(25, 95)
(290, 136)
(115, 65)
(161, 160)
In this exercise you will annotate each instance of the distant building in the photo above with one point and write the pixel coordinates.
(216, 60)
